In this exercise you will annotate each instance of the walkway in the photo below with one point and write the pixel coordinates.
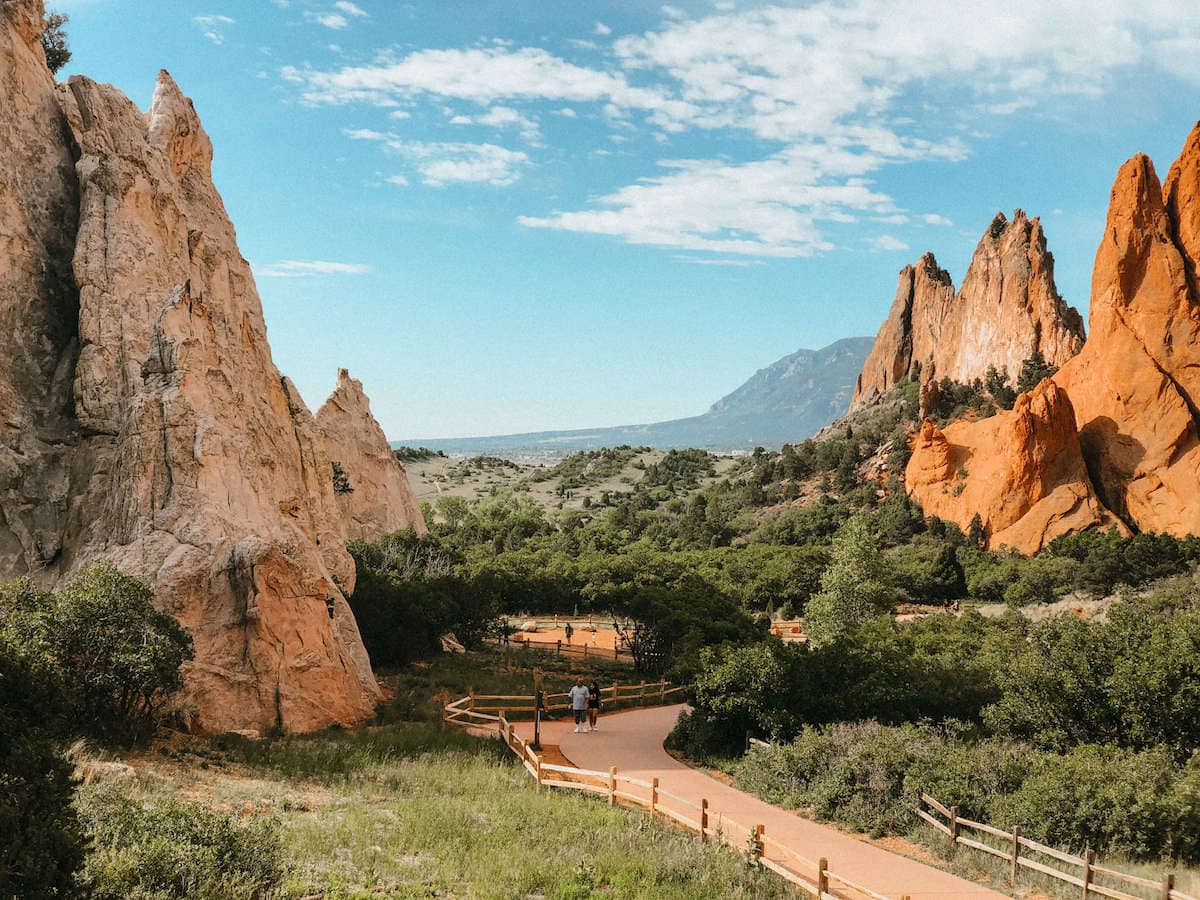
(632, 741)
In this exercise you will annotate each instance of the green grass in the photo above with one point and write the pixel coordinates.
(410, 811)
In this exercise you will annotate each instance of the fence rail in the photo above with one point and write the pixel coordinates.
(1015, 843)
(813, 876)
(560, 648)
(485, 709)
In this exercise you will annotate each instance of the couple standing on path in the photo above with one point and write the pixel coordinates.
(585, 704)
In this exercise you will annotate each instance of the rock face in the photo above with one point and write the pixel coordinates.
(143, 419)
(373, 494)
(1133, 389)
(1007, 308)
(1022, 472)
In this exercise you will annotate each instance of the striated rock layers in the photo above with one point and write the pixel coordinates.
(1007, 308)
(1133, 389)
(374, 497)
(142, 419)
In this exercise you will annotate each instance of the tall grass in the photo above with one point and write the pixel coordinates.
(412, 811)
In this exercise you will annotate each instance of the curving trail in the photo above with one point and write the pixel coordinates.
(632, 741)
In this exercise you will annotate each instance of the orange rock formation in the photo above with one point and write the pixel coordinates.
(1007, 308)
(1133, 389)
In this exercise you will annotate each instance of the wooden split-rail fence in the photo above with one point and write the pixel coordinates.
(1021, 853)
(813, 876)
(561, 648)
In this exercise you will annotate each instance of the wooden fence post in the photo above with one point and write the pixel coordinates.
(1168, 885)
(471, 701)
(642, 695)
(758, 843)
(612, 785)
(558, 648)
(616, 694)
(953, 826)
(585, 651)
(500, 722)
(1089, 857)
(822, 877)
(1016, 854)
(704, 819)
(653, 796)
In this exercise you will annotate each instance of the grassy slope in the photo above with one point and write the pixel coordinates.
(408, 809)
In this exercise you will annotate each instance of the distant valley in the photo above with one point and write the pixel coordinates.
(789, 400)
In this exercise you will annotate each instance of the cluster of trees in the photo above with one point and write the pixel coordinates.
(1073, 696)
(95, 660)
(982, 397)
(416, 454)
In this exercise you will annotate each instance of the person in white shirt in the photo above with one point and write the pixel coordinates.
(579, 702)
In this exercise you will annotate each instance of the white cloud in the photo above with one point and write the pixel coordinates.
(396, 179)
(702, 261)
(440, 163)
(350, 9)
(674, 12)
(334, 21)
(935, 219)
(306, 268)
(485, 75)
(502, 117)
(399, 114)
(601, 30)
(213, 27)
(566, 112)
(885, 243)
(770, 207)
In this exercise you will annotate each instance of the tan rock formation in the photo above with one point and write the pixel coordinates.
(38, 301)
(1007, 308)
(142, 419)
(375, 499)
(1134, 387)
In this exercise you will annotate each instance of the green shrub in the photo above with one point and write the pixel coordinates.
(174, 849)
(118, 657)
(1101, 797)
(42, 845)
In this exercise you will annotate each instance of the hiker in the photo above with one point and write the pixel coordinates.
(593, 704)
(568, 631)
(579, 704)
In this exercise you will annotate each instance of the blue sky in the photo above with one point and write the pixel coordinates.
(542, 214)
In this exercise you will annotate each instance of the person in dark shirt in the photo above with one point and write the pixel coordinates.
(593, 704)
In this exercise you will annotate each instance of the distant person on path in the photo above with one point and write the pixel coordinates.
(593, 711)
(579, 704)
(568, 631)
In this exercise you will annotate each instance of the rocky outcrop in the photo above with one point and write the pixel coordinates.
(372, 491)
(1133, 389)
(1007, 308)
(143, 419)
(1021, 472)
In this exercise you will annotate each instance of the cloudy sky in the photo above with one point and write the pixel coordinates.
(512, 215)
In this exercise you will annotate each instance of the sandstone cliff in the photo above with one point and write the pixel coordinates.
(144, 420)
(1007, 308)
(1133, 388)
(374, 497)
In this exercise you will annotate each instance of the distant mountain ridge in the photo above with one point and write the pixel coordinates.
(789, 400)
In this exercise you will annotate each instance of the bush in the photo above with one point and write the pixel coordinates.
(174, 849)
(1101, 797)
(43, 844)
(117, 655)
(854, 586)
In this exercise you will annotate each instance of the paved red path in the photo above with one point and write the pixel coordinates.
(632, 741)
